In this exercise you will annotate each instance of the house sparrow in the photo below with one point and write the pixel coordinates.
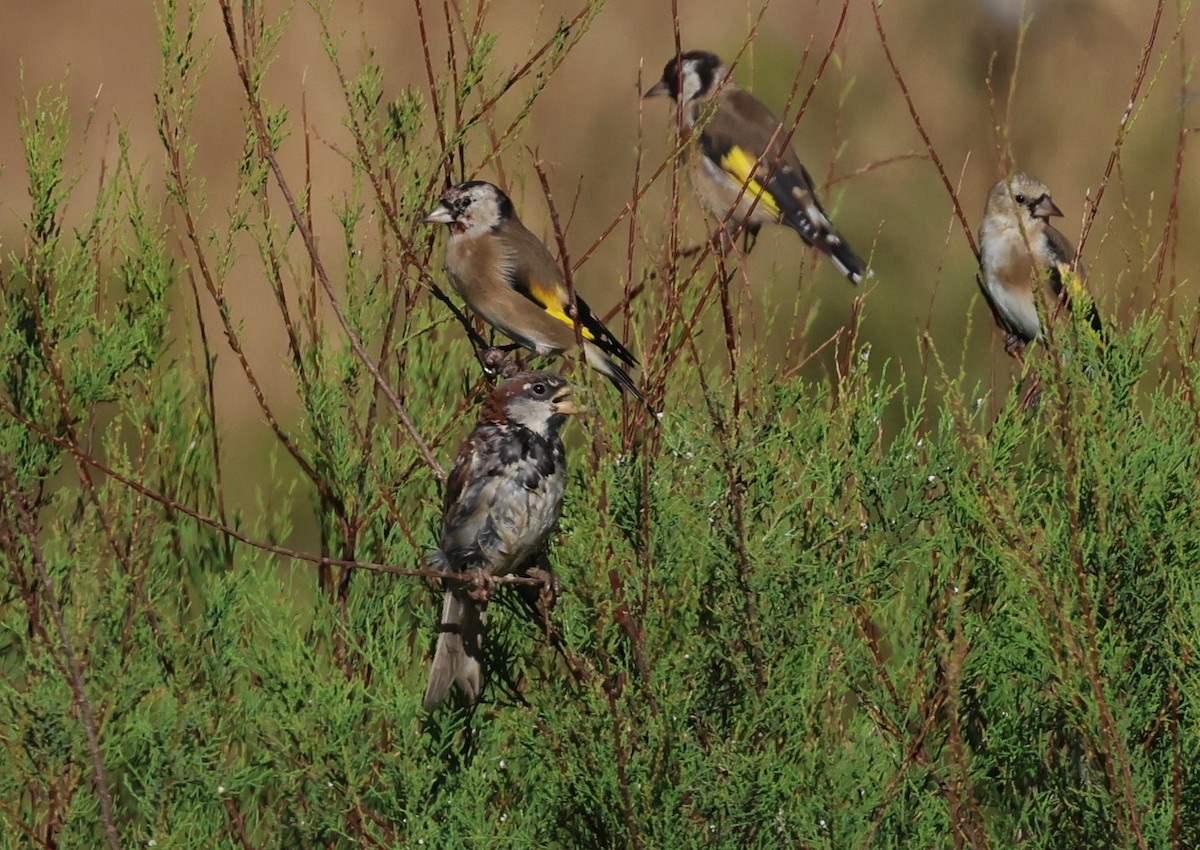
(503, 498)
(743, 163)
(1018, 248)
(507, 276)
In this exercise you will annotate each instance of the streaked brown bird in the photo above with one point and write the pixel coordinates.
(503, 498)
(744, 173)
(507, 276)
(1019, 248)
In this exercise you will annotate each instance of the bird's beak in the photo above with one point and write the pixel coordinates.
(564, 402)
(441, 214)
(657, 90)
(1045, 208)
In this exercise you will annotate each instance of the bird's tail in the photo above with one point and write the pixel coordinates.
(458, 659)
(816, 230)
(609, 368)
(848, 263)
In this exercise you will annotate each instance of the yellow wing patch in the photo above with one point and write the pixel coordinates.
(740, 165)
(551, 299)
(1083, 306)
(1072, 283)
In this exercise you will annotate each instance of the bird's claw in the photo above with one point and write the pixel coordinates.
(497, 362)
(550, 589)
(481, 587)
(722, 243)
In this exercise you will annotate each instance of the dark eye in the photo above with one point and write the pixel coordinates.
(539, 389)
(1020, 198)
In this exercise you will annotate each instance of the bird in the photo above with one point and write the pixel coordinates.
(1019, 248)
(503, 498)
(509, 278)
(744, 173)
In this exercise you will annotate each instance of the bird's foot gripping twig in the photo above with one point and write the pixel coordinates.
(722, 243)
(481, 586)
(496, 361)
(550, 588)
(1014, 346)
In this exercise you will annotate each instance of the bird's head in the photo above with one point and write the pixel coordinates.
(1026, 195)
(472, 208)
(696, 74)
(538, 401)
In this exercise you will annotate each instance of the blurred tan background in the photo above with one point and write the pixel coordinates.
(1075, 78)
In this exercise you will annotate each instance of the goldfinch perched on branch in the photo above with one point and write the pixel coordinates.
(1018, 248)
(507, 276)
(503, 498)
(744, 173)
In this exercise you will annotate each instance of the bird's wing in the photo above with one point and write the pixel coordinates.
(1062, 278)
(1002, 321)
(745, 139)
(534, 274)
(466, 468)
(474, 490)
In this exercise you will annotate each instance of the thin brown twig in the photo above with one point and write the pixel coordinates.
(874, 165)
(1086, 659)
(434, 98)
(74, 669)
(1093, 208)
(564, 253)
(620, 755)
(210, 382)
(87, 461)
(1171, 225)
(1089, 651)
(306, 234)
(236, 822)
(178, 174)
(916, 117)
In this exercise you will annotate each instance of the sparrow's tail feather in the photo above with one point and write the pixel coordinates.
(458, 659)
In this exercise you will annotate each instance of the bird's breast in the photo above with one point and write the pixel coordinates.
(511, 503)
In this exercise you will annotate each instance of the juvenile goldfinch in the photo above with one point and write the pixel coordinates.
(1018, 248)
(742, 161)
(503, 498)
(507, 276)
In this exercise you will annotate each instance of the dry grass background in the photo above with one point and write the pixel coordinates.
(1072, 85)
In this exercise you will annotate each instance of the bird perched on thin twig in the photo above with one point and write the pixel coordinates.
(507, 276)
(744, 172)
(1020, 248)
(503, 498)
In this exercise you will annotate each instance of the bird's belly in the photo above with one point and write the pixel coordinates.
(503, 309)
(720, 194)
(527, 334)
(508, 524)
(521, 525)
(1019, 310)
(1015, 301)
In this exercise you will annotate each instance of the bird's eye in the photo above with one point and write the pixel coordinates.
(539, 389)
(1020, 198)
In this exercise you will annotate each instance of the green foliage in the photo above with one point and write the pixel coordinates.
(799, 612)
